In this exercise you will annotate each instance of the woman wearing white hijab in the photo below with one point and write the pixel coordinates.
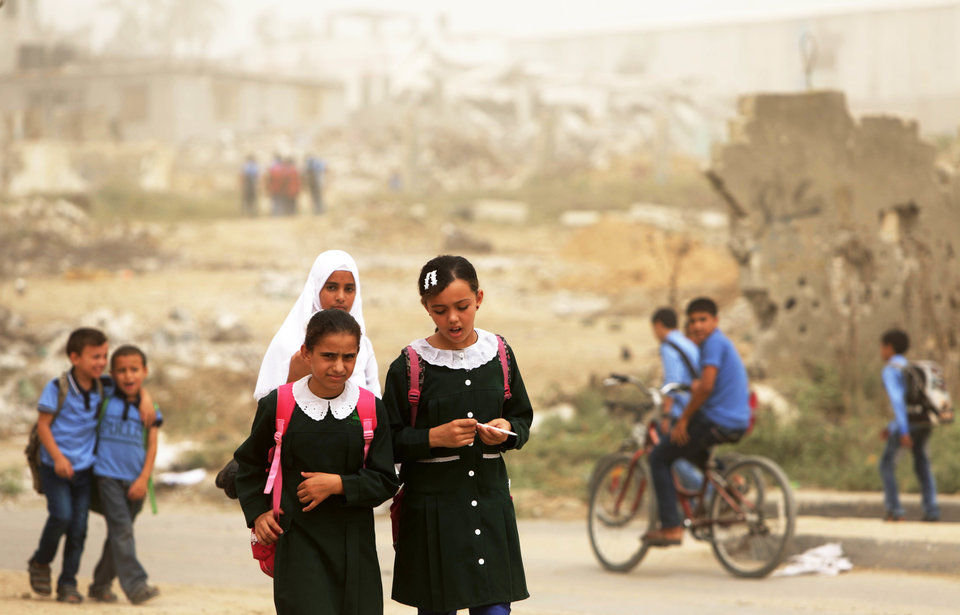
(333, 283)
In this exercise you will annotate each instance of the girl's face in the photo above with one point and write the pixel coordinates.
(338, 292)
(331, 361)
(453, 310)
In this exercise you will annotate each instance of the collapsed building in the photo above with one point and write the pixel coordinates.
(842, 228)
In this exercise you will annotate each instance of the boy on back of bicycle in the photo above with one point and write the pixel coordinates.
(718, 412)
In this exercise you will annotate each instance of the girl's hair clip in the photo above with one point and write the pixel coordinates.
(430, 279)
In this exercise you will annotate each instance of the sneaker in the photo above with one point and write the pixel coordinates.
(893, 518)
(930, 518)
(39, 577)
(144, 593)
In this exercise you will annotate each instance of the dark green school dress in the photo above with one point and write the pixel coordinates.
(458, 545)
(326, 559)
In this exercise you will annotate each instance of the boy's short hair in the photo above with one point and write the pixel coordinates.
(83, 337)
(896, 339)
(666, 317)
(125, 351)
(702, 304)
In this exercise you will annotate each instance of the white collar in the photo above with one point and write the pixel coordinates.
(316, 408)
(471, 357)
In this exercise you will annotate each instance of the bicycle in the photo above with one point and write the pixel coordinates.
(744, 507)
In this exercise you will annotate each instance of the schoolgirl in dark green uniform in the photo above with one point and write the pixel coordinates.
(326, 557)
(457, 545)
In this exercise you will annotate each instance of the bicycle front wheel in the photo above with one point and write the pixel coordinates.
(619, 513)
(753, 516)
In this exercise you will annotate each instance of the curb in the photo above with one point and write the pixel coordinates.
(908, 555)
(858, 508)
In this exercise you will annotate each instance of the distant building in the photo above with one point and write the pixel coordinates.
(903, 58)
(51, 89)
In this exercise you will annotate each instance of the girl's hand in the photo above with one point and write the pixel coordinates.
(492, 437)
(456, 433)
(317, 487)
(266, 528)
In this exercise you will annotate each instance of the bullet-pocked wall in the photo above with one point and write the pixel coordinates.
(842, 228)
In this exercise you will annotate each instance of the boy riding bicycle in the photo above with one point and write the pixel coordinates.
(718, 412)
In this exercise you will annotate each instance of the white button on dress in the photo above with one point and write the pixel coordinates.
(467, 382)
(470, 473)
(473, 503)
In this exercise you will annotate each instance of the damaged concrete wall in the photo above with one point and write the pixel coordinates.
(842, 229)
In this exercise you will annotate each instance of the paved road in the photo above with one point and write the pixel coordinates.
(190, 544)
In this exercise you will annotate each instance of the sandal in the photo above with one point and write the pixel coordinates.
(102, 595)
(144, 593)
(39, 577)
(69, 594)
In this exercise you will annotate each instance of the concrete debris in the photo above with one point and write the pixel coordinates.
(500, 211)
(456, 239)
(49, 236)
(841, 229)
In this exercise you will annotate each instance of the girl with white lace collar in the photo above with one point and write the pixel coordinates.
(333, 283)
(326, 557)
(457, 546)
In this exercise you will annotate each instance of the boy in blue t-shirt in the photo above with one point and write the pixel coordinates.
(126, 451)
(903, 431)
(67, 433)
(718, 412)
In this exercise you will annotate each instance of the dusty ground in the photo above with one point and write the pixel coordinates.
(540, 283)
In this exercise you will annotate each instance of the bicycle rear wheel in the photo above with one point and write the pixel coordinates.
(753, 517)
(619, 512)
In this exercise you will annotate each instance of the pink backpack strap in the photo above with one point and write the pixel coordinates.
(367, 410)
(285, 405)
(413, 389)
(502, 352)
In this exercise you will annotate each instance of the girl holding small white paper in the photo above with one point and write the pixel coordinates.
(457, 545)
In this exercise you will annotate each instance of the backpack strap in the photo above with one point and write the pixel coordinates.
(413, 383)
(285, 405)
(694, 374)
(505, 365)
(367, 409)
(63, 387)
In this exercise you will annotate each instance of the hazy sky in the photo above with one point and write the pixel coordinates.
(508, 17)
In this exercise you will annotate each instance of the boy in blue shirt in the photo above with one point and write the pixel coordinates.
(67, 433)
(903, 432)
(679, 357)
(718, 412)
(126, 451)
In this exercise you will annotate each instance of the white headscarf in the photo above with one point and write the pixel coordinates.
(276, 362)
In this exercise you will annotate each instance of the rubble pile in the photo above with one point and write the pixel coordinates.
(42, 236)
(841, 229)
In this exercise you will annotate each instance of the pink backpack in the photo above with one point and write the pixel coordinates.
(413, 396)
(366, 408)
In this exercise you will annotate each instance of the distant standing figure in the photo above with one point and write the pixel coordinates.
(248, 186)
(275, 186)
(291, 187)
(904, 432)
(313, 170)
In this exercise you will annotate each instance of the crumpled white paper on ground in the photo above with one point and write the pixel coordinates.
(825, 560)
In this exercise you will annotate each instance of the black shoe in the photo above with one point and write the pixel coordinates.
(144, 593)
(930, 518)
(892, 517)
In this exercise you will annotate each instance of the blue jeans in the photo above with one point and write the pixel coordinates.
(502, 608)
(68, 503)
(119, 558)
(704, 434)
(921, 466)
